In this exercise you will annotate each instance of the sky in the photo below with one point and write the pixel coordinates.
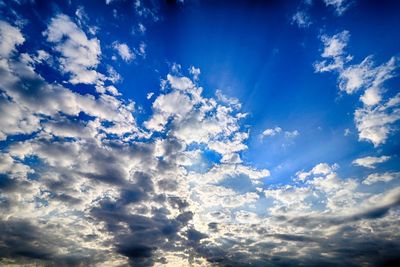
(199, 133)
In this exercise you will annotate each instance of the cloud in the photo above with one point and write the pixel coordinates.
(84, 182)
(292, 134)
(113, 198)
(124, 51)
(301, 19)
(334, 45)
(340, 6)
(370, 162)
(375, 124)
(149, 95)
(374, 120)
(271, 132)
(277, 130)
(11, 37)
(16, 119)
(381, 177)
(79, 55)
(321, 168)
(195, 72)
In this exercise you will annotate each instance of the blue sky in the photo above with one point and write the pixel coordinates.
(199, 133)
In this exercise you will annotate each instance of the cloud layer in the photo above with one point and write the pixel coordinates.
(87, 180)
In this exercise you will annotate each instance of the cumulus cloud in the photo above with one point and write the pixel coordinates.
(195, 72)
(277, 130)
(83, 183)
(79, 55)
(11, 37)
(376, 124)
(381, 177)
(375, 119)
(370, 162)
(115, 194)
(271, 132)
(124, 51)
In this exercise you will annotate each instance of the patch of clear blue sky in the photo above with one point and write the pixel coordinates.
(249, 50)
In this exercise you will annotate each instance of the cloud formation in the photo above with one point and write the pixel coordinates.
(91, 178)
(375, 118)
(370, 162)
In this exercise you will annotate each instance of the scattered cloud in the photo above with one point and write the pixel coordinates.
(124, 51)
(277, 130)
(79, 55)
(195, 72)
(340, 6)
(86, 179)
(374, 120)
(381, 177)
(292, 134)
(11, 37)
(271, 132)
(376, 124)
(301, 19)
(149, 95)
(370, 162)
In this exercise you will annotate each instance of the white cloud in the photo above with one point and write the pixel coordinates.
(321, 168)
(381, 177)
(141, 28)
(149, 95)
(16, 119)
(292, 134)
(105, 183)
(142, 49)
(302, 19)
(180, 83)
(271, 132)
(375, 124)
(277, 130)
(374, 120)
(124, 51)
(335, 45)
(10, 38)
(79, 55)
(340, 6)
(370, 162)
(195, 72)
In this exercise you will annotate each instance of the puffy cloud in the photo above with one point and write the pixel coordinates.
(16, 119)
(334, 45)
(271, 132)
(375, 124)
(10, 38)
(321, 168)
(92, 174)
(374, 120)
(277, 130)
(370, 162)
(180, 83)
(80, 55)
(104, 190)
(381, 177)
(195, 72)
(124, 51)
